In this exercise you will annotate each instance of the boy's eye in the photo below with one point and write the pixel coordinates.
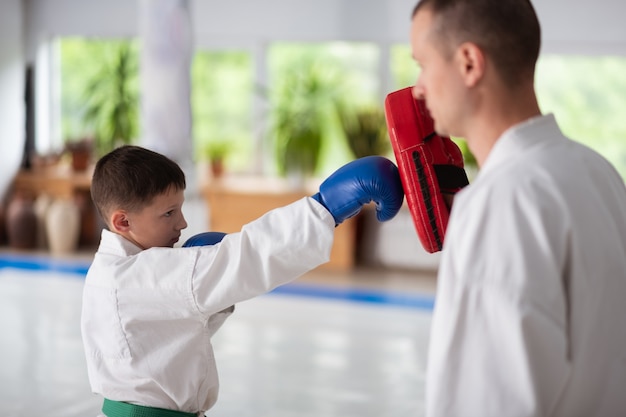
(169, 213)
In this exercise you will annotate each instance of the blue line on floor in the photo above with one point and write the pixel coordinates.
(421, 302)
(383, 298)
(33, 263)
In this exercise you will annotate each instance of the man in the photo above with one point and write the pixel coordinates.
(530, 312)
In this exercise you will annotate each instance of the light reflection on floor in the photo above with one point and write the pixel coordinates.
(280, 354)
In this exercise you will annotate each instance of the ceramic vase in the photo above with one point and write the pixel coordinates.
(42, 204)
(21, 223)
(2, 223)
(63, 226)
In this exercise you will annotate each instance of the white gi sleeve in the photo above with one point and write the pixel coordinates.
(277, 248)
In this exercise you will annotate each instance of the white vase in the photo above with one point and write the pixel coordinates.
(63, 226)
(41, 206)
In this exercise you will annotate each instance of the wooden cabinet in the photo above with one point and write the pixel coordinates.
(62, 182)
(235, 201)
(58, 183)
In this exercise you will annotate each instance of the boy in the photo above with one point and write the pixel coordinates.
(150, 310)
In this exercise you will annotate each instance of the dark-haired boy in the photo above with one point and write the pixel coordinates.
(150, 310)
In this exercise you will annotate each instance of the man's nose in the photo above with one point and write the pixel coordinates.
(418, 91)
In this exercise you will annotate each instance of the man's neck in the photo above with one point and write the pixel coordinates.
(496, 115)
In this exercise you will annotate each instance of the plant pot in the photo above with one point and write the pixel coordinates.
(217, 168)
(80, 160)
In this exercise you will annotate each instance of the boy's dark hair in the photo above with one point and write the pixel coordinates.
(507, 30)
(129, 177)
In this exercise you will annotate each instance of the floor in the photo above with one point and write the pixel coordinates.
(329, 344)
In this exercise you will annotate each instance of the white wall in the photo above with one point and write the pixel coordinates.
(12, 121)
(583, 27)
(45, 19)
(569, 26)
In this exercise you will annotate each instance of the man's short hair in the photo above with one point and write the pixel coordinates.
(508, 31)
(129, 177)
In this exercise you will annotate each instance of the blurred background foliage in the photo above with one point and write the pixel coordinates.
(588, 98)
(586, 94)
(334, 78)
(221, 101)
(100, 97)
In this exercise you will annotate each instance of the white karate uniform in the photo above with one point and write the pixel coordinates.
(530, 315)
(148, 315)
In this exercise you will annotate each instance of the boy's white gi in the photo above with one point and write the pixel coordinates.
(148, 315)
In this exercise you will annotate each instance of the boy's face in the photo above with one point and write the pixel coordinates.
(157, 224)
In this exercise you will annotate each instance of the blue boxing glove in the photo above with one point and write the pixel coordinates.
(204, 239)
(372, 178)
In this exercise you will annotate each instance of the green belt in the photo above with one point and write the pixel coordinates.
(119, 409)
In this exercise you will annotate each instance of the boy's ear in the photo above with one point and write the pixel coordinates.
(119, 221)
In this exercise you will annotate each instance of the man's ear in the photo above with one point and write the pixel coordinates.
(471, 63)
(119, 221)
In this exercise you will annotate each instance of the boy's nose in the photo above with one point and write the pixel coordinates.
(183, 223)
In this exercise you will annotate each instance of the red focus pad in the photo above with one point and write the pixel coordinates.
(430, 165)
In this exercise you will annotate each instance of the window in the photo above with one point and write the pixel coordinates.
(221, 96)
(99, 91)
(346, 76)
(404, 70)
(588, 98)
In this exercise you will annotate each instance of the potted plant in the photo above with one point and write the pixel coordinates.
(112, 99)
(303, 101)
(80, 151)
(366, 131)
(215, 153)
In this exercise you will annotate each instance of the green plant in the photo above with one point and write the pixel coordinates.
(304, 99)
(216, 150)
(366, 131)
(112, 99)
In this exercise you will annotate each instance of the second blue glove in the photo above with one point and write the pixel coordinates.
(372, 178)
(204, 239)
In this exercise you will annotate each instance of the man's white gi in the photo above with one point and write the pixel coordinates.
(148, 315)
(530, 315)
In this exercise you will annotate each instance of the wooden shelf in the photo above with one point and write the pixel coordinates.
(56, 182)
(235, 201)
